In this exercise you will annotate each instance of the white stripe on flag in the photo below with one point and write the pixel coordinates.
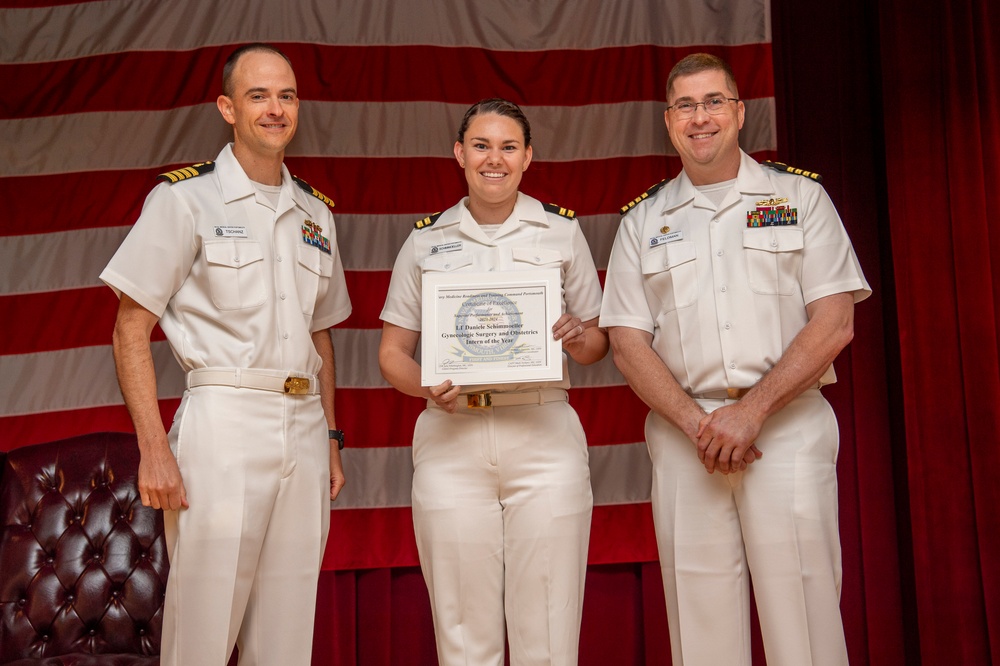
(148, 139)
(382, 477)
(84, 29)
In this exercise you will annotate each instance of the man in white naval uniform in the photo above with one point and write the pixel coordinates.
(238, 262)
(730, 291)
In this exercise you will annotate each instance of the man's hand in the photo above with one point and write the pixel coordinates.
(726, 439)
(160, 483)
(337, 478)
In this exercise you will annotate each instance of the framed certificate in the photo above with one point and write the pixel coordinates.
(490, 328)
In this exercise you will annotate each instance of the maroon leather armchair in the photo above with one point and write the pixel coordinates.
(83, 564)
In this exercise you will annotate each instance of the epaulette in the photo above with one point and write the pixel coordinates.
(187, 172)
(779, 166)
(559, 210)
(313, 191)
(645, 195)
(427, 221)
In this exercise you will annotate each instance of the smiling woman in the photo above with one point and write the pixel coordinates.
(501, 484)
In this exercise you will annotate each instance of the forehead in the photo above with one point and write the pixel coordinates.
(260, 69)
(701, 84)
(494, 126)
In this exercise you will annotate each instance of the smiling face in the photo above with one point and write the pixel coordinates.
(493, 156)
(708, 144)
(264, 106)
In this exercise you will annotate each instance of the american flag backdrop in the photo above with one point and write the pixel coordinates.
(99, 97)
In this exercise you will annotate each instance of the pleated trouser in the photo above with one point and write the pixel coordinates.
(245, 557)
(776, 521)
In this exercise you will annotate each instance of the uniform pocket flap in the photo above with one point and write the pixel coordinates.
(448, 261)
(315, 261)
(668, 256)
(233, 253)
(773, 239)
(537, 256)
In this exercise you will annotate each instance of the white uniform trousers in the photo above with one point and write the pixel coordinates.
(245, 557)
(501, 510)
(779, 517)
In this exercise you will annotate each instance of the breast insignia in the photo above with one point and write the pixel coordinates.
(187, 172)
(313, 191)
(427, 221)
(645, 195)
(779, 166)
(559, 210)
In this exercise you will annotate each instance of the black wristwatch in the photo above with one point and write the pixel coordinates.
(339, 436)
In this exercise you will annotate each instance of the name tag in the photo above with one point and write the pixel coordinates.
(666, 238)
(231, 232)
(446, 247)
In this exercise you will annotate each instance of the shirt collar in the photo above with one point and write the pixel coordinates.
(236, 184)
(750, 179)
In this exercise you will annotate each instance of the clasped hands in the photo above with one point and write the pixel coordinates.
(726, 439)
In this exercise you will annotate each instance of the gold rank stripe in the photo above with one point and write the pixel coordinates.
(322, 197)
(559, 210)
(306, 187)
(645, 195)
(781, 166)
(187, 172)
(427, 221)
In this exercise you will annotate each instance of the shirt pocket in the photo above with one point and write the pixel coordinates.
(235, 273)
(670, 275)
(527, 258)
(774, 259)
(446, 263)
(312, 279)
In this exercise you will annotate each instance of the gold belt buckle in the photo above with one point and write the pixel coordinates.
(297, 385)
(736, 393)
(479, 400)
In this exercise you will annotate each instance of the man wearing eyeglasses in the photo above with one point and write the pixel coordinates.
(730, 291)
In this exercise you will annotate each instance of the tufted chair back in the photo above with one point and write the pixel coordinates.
(83, 564)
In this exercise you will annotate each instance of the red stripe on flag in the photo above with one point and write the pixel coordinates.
(122, 81)
(17, 431)
(86, 318)
(419, 186)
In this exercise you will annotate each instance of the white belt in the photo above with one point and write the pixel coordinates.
(484, 399)
(261, 380)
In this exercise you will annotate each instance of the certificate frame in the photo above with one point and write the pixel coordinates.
(490, 328)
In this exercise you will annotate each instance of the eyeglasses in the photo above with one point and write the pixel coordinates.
(713, 105)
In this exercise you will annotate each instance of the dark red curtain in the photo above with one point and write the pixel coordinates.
(941, 95)
(897, 104)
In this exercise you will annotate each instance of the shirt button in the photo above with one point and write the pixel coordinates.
(285, 335)
(719, 253)
(774, 243)
(732, 366)
(447, 265)
(236, 260)
(724, 289)
(281, 295)
(728, 326)
(278, 258)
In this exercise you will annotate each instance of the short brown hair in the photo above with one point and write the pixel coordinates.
(701, 62)
(227, 69)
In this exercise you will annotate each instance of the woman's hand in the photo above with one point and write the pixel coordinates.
(570, 330)
(445, 395)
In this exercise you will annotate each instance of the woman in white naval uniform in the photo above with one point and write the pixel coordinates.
(501, 494)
